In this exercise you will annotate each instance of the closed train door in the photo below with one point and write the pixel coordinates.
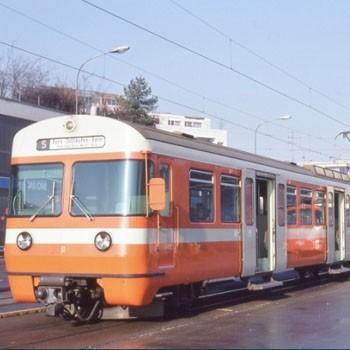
(281, 224)
(347, 225)
(339, 225)
(330, 226)
(248, 224)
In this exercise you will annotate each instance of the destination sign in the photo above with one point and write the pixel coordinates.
(62, 143)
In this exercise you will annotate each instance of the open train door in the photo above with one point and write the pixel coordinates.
(248, 223)
(330, 226)
(347, 225)
(281, 224)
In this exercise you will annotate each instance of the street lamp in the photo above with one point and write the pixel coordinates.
(119, 49)
(282, 117)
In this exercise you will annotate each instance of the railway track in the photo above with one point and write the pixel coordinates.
(233, 297)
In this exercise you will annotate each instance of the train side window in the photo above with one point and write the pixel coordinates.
(201, 196)
(305, 206)
(248, 200)
(230, 191)
(291, 205)
(320, 208)
(281, 204)
(347, 209)
(164, 172)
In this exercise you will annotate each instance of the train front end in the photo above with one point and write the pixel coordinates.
(79, 234)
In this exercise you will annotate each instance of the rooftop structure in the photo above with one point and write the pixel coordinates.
(197, 127)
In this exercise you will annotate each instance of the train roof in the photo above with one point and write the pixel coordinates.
(188, 141)
(137, 137)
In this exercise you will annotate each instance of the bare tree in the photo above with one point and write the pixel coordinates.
(58, 97)
(18, 74)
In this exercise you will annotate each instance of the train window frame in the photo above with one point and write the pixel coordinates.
(167, 211)
(39, 214)
(292, 192)
(236, 218)
(208, 212)
(150, 173)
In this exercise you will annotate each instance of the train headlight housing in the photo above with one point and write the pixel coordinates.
(103, 241)
(24, 241)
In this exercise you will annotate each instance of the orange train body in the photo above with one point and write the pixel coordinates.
(285, 220)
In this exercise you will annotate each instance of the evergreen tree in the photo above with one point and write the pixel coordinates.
(137, 102)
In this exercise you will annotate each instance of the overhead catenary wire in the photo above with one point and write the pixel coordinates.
(216, 62)
(259, 56)
(67, 65)
(159, 77)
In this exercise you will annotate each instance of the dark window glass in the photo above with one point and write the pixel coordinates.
(110, 188)
(164, 172)
(230, 198)
(320, 208)
(305, 206)
(248, 196)
(291, 205)
(201, 196)
(36, 189)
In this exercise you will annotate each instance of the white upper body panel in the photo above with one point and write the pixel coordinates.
(90, 134)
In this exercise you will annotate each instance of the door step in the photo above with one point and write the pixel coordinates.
(256, 285)
(338, 270)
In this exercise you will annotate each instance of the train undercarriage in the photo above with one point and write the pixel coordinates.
(81, 300)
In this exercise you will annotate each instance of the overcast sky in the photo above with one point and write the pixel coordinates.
(308, 40)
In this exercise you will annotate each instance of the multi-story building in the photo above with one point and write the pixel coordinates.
(13, 117)
(198, 127)
(105, 102)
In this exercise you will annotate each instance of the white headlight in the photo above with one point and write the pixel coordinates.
(103, 241)
(24, 241)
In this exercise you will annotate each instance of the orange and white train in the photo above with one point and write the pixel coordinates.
(104, 213)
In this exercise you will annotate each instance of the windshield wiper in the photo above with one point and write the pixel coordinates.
(51, 198)
(81, 206)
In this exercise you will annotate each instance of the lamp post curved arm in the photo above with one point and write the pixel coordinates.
(283, 117)
(119, 49)
(77, 78)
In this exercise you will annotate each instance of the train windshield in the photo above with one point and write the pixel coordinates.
(36, 190)
(109, 188)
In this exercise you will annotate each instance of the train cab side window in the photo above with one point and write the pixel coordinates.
(320, 208)
(230, 191)
(201, 196)
(305, 206)
(291, 205)
(164, 172)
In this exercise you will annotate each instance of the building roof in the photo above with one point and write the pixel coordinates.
(26, 111)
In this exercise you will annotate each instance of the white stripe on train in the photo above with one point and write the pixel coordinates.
(125, 235)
